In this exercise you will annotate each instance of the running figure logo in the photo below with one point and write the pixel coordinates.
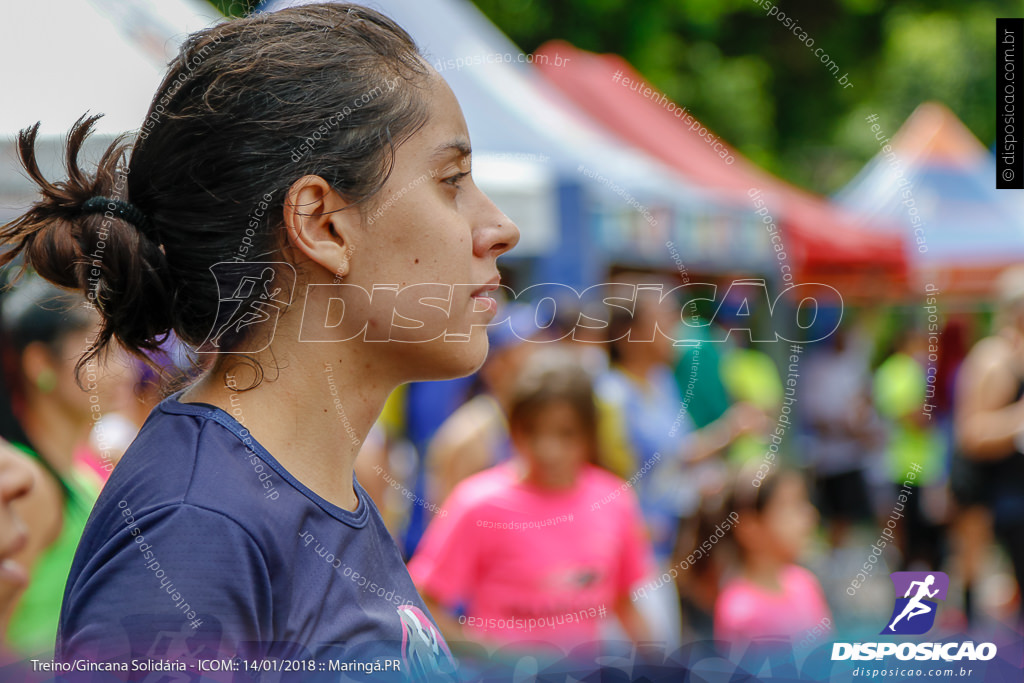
(250, 301)
(914, 613)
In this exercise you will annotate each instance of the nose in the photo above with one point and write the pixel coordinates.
(495, 233)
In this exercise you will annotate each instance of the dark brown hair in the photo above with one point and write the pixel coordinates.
(623, 321)
(553, 376)
(746, 497)
(246, 108)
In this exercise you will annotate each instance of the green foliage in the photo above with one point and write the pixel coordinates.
(234, 8)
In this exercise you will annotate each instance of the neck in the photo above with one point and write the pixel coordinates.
(530, 474)
(503, 398)
(312, 415)
(53, 431)
(764, 571)
(637, 364)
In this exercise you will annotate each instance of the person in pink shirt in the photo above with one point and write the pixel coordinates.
(546, 546)
(771, 597)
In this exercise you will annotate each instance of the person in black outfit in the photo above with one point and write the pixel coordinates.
(989, 423)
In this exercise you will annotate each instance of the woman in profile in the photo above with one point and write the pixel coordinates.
(283, 154)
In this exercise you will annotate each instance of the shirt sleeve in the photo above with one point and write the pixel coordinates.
(614, 450)
(182, 583)
(813, 595)
(447, 561)
(636, 561)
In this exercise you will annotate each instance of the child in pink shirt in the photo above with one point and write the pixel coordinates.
(771, 597)
(543, 547)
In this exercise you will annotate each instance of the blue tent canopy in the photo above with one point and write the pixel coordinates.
(935, 183)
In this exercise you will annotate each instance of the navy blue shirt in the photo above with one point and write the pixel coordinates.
(202, 547)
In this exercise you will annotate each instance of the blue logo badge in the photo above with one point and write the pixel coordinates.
(917, 594)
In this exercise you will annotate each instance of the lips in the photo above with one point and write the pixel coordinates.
(481, 295)
(13, 572)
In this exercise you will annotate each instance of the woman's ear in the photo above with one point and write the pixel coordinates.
(321, 224)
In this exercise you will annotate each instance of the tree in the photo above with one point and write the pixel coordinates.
(750, 74)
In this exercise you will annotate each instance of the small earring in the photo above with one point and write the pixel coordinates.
(46, 381)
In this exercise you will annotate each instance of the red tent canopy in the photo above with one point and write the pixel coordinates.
(824, 243)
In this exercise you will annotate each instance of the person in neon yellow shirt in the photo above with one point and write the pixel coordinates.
(751, 377)
(914, 445)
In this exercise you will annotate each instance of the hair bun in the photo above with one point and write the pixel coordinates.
(82, 235)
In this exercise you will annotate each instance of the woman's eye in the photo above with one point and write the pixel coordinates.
(456, 179)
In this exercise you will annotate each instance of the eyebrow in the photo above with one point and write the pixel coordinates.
(459, 146)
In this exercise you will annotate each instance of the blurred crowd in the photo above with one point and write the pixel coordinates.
(607, 483)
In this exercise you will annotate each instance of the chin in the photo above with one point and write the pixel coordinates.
(469, 358)
(450, 360)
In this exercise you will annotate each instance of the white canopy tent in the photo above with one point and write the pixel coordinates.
(63, 58)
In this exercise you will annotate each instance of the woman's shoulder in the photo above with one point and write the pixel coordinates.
(185, 455)
(159, 464)
(598, 481)
(484, 488)
(800, 580)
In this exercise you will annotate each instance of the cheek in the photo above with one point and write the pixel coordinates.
(426, 225)
(576, 449)
(555, 449)
(71, 395)
(427, 259)
(418, 240)
(781, 528)
(797, 531)
(450, 260)
(544, 446)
